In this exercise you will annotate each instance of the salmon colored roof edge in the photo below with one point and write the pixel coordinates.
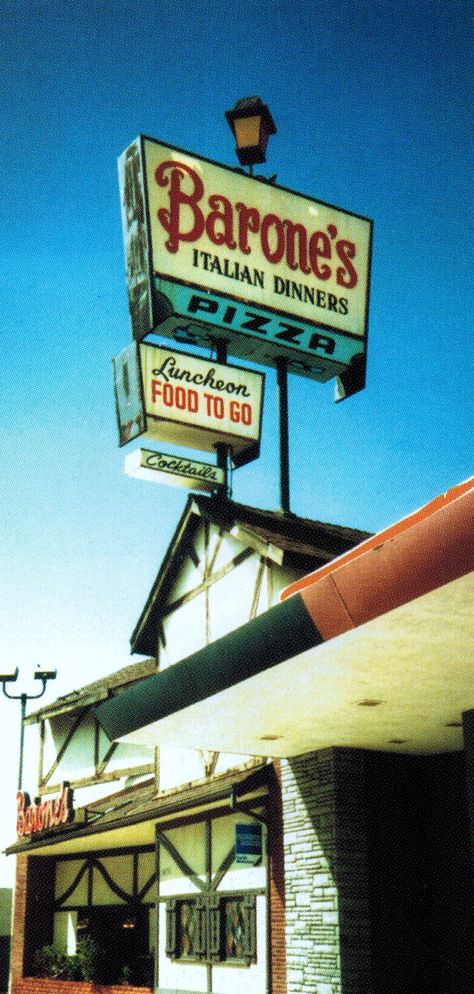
(376, 540)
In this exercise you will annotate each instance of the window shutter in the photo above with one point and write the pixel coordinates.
(214, 927)
(171, 936)
(202, 932)
(250, 911)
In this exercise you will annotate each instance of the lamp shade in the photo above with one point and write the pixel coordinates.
(252, 124)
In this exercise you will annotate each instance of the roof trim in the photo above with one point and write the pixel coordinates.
(138, 643)
(286, 628)
(198, 794)
(376, 540)
(92, 693)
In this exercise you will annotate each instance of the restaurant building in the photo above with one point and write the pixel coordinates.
(276, 798)
(145, 813)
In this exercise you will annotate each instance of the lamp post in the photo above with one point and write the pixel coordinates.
(252, 124)
(44, 676)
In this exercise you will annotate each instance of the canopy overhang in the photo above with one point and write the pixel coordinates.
(373, 651)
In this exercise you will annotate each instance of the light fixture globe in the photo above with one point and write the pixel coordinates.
(252, 124)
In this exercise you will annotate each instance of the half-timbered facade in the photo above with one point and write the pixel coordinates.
(153, 868)
(71, 745)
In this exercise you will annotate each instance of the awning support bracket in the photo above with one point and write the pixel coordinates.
(235, 806)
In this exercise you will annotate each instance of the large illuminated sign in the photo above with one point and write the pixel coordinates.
(182, 399)
(213, 253)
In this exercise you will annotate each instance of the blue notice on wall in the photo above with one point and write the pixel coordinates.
(248, 844)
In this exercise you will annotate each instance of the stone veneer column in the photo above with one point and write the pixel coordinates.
(276, 862)
(327, 918)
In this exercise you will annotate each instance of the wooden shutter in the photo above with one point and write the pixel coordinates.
(214, 927)
(171, 930)
(250, 910)
(202, 933)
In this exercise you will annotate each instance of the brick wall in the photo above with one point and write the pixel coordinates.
(378, 889)
(39, 897)
(19, 909)
(327, 921)
(34, 881)
(5, 936)
(468, 732)
(421, 897)
(352, 872)
(36, 985)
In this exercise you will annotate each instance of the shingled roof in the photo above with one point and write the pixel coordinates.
(94, 692)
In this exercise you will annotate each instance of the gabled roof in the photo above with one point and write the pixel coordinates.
(94, 692)
(285, 538)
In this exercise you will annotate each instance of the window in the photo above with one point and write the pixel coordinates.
(212, 928)
(108, 898)
(121, 935)
(190, 930)
(238, 928)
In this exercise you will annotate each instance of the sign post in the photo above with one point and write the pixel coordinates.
(222, 449)
(282, 382)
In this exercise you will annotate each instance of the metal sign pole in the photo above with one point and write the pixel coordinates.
(282, 381)
(221, 447)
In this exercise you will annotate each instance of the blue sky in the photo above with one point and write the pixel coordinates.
(372, 105)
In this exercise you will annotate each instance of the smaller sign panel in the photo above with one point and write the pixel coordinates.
(174, 470)
(182, 399)
(248, 844)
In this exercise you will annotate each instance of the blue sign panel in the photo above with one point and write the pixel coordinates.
(248, 844)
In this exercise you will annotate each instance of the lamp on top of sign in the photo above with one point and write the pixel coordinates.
(174, 397)
(212, 253)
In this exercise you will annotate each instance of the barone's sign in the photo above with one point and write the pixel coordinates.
(41, 815)
(213, 253)
(177, 471)
(185, 400)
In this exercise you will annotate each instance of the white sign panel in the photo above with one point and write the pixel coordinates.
(210, 249)
(174, 470)
(182, 399)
